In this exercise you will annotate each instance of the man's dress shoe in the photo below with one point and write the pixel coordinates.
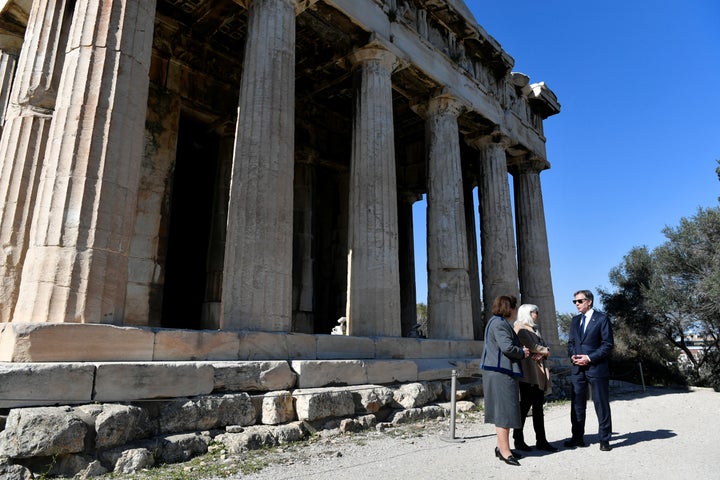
(546, 447)
(605, 446)
(575, 443)
(523, 446)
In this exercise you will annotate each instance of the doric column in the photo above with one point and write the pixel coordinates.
(533, 253)
(373, 299)
(30, 106)
(257, 279)
(449, 303)
(76, 269)
(497, 240)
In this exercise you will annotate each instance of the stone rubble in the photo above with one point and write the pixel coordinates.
(83, 441)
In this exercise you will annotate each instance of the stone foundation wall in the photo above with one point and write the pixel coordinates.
(91, 439)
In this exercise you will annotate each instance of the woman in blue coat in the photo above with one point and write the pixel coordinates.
(501, 358)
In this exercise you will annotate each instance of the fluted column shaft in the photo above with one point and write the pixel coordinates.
(533, 252)
(449, 303)
(257, 279)
(373, 300)
(497, 240)
(30, 105)
(76, 269)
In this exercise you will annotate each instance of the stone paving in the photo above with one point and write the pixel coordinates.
(659, 434)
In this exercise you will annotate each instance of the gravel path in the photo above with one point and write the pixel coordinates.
(659, 434)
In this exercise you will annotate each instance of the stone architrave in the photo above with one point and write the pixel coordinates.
(449, 303)
(257, 278)
(76, 267)
(497, 239)
(30, 104)
(533, 253)
(373, 299)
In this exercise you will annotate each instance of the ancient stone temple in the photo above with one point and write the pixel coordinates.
(225, 179)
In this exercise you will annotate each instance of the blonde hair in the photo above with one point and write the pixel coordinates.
(524, 318)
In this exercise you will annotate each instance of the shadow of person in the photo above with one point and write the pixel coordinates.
(632, 438)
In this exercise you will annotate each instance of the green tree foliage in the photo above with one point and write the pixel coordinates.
(665, 295)
(563, 326)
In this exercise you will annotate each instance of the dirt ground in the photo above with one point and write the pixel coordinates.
(658, 434)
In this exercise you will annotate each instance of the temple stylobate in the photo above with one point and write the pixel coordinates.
(250, 166)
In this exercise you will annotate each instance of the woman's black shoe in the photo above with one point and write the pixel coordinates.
(546, 447)
(509, 460)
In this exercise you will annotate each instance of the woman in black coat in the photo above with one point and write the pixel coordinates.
(501, 358)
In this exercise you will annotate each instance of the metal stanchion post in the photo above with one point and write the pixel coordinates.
(642, 377)
(453, 395)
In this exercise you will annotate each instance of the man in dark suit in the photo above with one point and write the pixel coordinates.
(589, 347)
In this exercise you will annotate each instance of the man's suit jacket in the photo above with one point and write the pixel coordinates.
(597, 343)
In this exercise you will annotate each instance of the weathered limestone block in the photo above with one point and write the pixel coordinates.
(372, 398)
(331, 347)
(436, 369)
(128, 460)
(37, 384)
(301, 346)
(181, 447)
(80, 466)
(390, 371)
(316, 404)
(253, 376)
(472, 389)
(466, 348)
(289, 432)
(74, 342)
(260, 436)
(263, 346)
(123, 381)
(430, 348)
(132, 460)
(9, 471)
(42, 432)
(416, 414)
(397, 348)
(206, 412)
(316, 373)
(277, 408)
(413, 395)
(196, 345)
(119, 424)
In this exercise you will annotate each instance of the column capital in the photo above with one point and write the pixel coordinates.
(443, 103)
(495, 138)
(373, 52)
(529, 163)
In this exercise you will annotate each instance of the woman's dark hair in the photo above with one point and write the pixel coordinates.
(503, 305)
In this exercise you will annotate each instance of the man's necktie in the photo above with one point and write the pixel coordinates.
(582, 325)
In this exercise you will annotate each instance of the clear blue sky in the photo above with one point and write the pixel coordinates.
(635, 145)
